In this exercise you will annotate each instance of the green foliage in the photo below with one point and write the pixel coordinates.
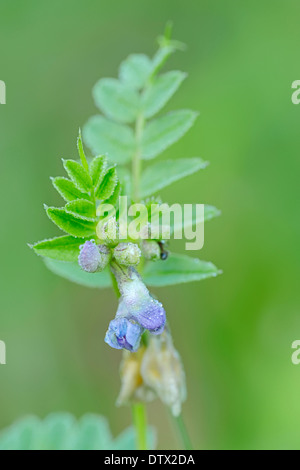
(139, 92)
(71, 223)
(113, 200)
(78, 175)
(72, 272)
(178, 269)
(165, 131)
(210, 213)
(163, 173)
(62, 431)
(160, 91)
(64, 248)
(89, 184)
(116, 100)
(135, 71)
(81, 152)
(97, 170)
(81, 207)
(67, 189)
(126, 131)
(107, 187)
(104, 136)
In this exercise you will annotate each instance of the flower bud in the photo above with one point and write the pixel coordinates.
(163, 372)
(108, 231)
(93, 258)
(150, 250)
(127, 254)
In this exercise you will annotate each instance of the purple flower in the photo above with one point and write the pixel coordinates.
(139, 304)
(123, 333)
(137, 311)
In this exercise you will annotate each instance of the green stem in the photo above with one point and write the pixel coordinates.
(140, 422)
(114, 284)
(136, 162)
(182, 432)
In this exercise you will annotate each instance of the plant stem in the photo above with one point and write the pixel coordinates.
(136, 162)
(182, 432)
(114, 284)
(140, 421)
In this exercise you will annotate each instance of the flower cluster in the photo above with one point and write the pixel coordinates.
(138, 310)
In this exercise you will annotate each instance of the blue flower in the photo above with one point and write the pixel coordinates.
(140, 305)
(137, 311)
(123, 333)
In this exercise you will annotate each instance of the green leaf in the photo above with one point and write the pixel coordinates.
(98, 169)
(113, 200)
(22, 435)
(163, 173)
(64, 248)
(57, 431)
(167, 47)
(62, 431)
(160, 91)
(72, 224)
(178, 269)
(116, 100)
(161, 57)
(72, 272)
(94, 434)
(67, 189)
(104, 136)
(78, 175)
(210, 212)
(165, 131)
(82, 207)
(108, 184)
(135, 70)
(81, 152)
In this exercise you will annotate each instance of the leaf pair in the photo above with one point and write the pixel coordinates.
(122, 103)
(118, 140)
(176, 269)
(66, 248)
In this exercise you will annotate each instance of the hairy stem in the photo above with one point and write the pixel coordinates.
(140, 421)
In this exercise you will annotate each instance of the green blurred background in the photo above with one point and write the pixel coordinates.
(234, 332)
